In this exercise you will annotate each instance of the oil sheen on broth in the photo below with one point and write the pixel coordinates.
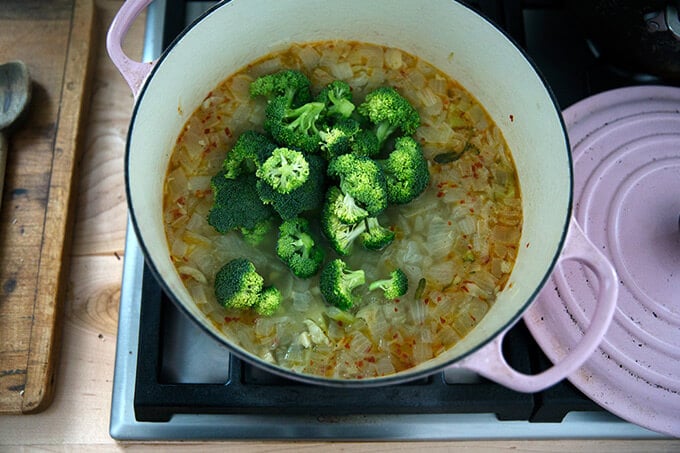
(457, 242)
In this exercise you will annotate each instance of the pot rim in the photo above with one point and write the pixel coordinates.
(407, 375)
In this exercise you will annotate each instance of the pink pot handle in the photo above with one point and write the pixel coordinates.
(489, 361)
(134, 72)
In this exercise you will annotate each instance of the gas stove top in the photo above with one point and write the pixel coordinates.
(163, 390)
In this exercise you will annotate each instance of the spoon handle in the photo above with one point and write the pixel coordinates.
(3, 162)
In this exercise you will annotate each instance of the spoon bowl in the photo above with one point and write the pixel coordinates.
(15, 94)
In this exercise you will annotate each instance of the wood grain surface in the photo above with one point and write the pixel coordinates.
(36, 219)
(78, 418)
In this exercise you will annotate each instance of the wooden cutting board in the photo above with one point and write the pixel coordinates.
(54, 39)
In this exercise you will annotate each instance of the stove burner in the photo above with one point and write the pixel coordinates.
(159, 394)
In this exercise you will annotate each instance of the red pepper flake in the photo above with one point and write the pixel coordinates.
(449, 223)
(512, 118)
(227, 131)
(340, 323)
(206, 131)
(442, 320)
(346, 345)
(370, 359)
(231, 319)
(462, 202)
(528, 244)
(360, 363)
(465, 288)
(426, 300)
(439, 298)
(395, 336)
(440, 194)
(181, 200)
(472, 317)
(472, 210)
(396, 309)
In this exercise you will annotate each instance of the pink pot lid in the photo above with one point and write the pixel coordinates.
(626, 152)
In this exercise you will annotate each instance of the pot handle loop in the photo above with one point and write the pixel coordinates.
(134, 72)
(489, 361)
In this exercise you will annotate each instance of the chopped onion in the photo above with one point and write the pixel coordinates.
(393, 58)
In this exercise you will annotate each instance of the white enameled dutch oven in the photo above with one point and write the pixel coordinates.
(456, 40)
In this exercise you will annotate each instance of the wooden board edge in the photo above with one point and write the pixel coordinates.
(45, 344)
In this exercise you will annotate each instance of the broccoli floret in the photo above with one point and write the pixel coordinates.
(363, 179)
(297, 248)
(393, 287)
(307, 197)
(344, 206)
(250, 150)
(365, 143)
(376, 236)
(337, 97)
(293, 85)
(268, 302)
(406, 171)
(340, 235)
(337, 283)
(255, 236)
(236, 203)
(285, 170)
(388, 111)
(237, 284)
(338, 138)
(296, 127)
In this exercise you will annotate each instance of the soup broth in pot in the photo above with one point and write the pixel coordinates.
(457, 242)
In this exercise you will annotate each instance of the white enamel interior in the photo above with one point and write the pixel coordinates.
(449, 35)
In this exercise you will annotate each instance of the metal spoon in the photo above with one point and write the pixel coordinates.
(15, 93)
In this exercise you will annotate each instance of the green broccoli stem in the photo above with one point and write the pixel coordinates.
(380, 284)
(341, 106)
(355, 278)
(289, 174)
(303, 244)
(383, 131)
(306, 116)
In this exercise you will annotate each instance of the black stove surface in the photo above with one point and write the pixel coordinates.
(167, 384)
